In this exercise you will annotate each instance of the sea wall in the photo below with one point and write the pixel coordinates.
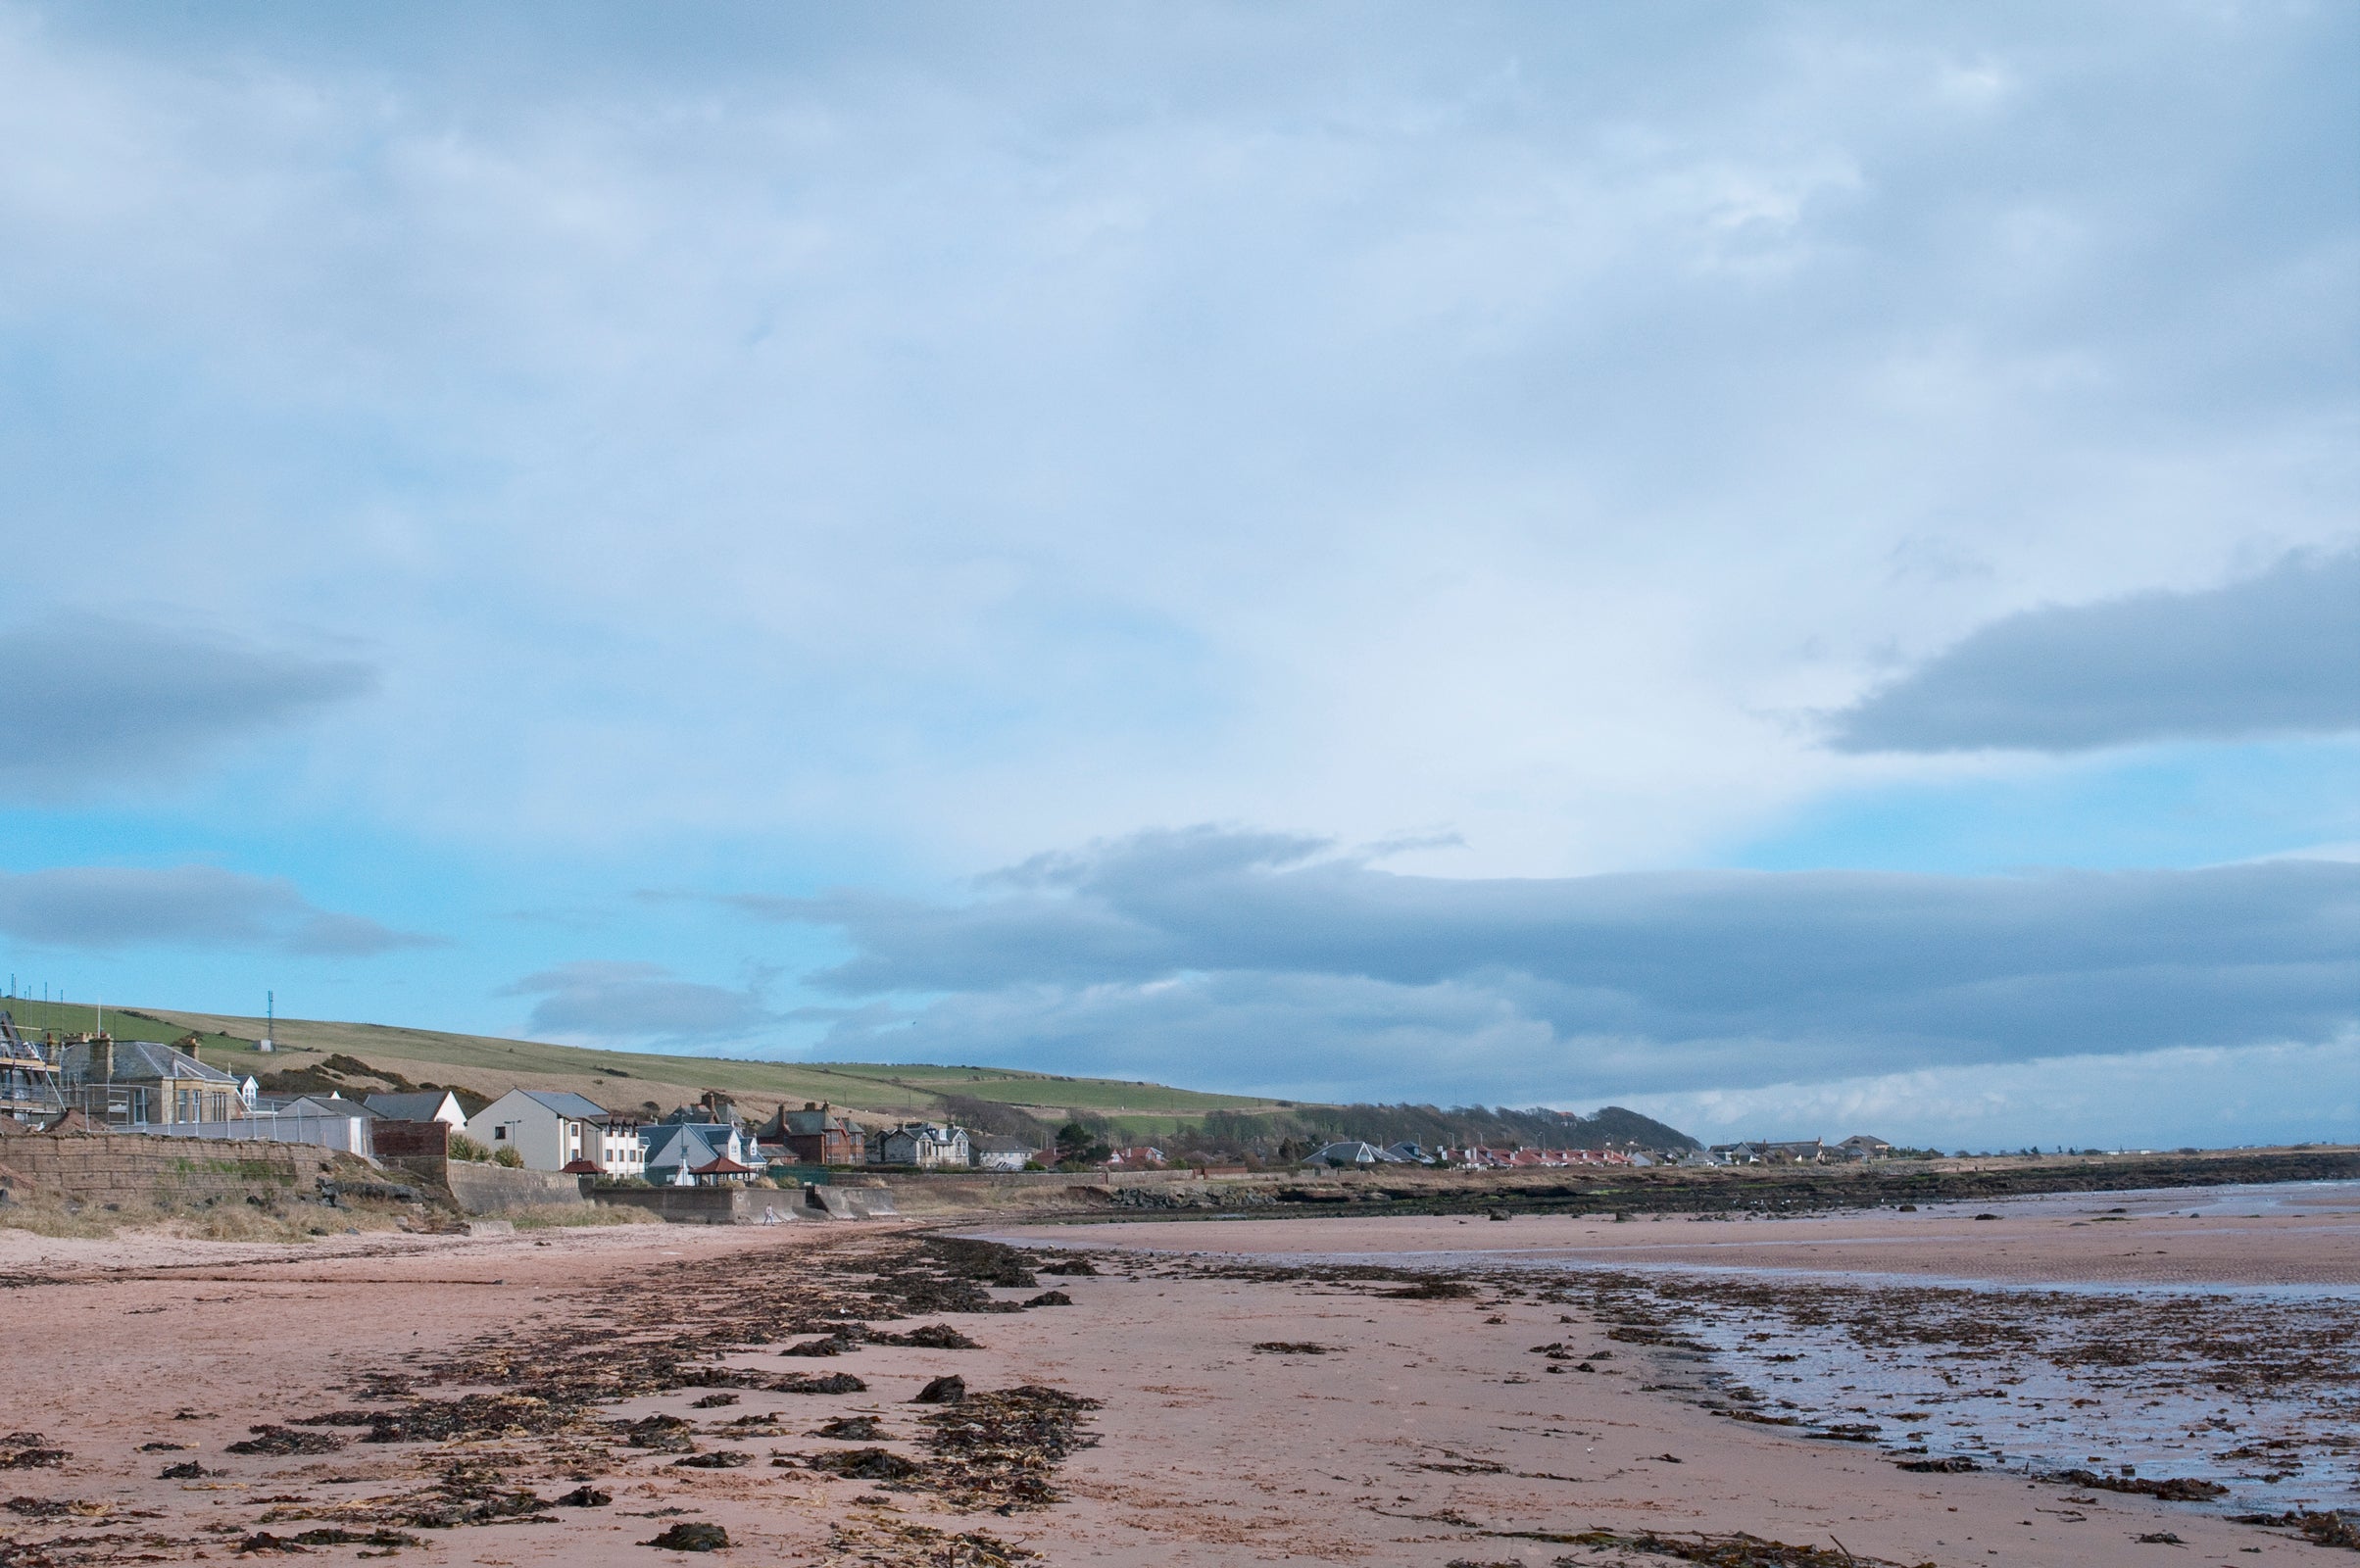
(118, 1167)
(483, 1189)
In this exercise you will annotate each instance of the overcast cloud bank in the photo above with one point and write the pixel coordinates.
(1266, 962)
(2277, 653)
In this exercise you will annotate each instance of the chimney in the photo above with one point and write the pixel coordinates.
(102, 1057)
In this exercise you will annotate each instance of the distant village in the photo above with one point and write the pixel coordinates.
(94, 1082)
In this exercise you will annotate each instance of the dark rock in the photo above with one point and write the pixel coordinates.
(1050, 1299)
(281, 1440)
(585, 1498)
(186, 1470)
(718, 1459)
(950, 1389)
(1955, 1464)
(693, 1535)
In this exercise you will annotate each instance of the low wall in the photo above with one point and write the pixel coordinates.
(484, 1189)
(115, 1167)
(708, 1206)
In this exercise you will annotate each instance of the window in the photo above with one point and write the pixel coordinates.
(500, 1133)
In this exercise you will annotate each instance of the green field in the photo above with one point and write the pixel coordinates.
(632, 1080)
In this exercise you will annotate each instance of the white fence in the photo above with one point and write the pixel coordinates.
(346, 1134)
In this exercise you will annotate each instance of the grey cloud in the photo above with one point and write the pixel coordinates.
(2278, 654)
(89, 700)
(109, 907)
(1166, 953)
(638, 1002)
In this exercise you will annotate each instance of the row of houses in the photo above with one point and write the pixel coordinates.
(1353, 1153)
(705, 1144)
(1796, 1151)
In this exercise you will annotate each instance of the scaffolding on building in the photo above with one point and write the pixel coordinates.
(29, 1073)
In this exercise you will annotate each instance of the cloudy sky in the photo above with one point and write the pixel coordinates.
(1794, 566)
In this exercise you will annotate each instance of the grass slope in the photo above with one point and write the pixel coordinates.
(626, 1080)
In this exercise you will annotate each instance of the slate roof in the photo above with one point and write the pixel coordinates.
(327, 1106)
(566, 1103)
(993, 1144)
(419, 1106)
(691, 1143)
(137, 1059)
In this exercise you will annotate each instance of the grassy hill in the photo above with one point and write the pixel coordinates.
(626, 1080)
(324, 1054)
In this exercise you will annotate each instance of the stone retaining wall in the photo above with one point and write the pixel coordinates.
(115, 1168)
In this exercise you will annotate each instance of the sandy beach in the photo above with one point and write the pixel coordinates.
(1171, 1410)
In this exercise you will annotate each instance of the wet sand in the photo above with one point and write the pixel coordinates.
(1431, 1432)
(2272, 1236)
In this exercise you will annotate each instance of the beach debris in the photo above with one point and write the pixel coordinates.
(1738, 1551)
(56, 1508)
(282, 1440)
(1950, 1465)
(29, 1450)
(948, 1388)
(998, 1449)
(473, 1415)
(2320, 1529)
(2173, 1489)
(164, 1448)
(263, 1544)
(1432, 1289)
(585, 1498)
(2159, 1537)
(714, 1402)
(896, 1543)
(827, 1344)
(666, 1434)
(1293, 1347)
(185, 1470)
(852, 1429)
(863, 1464)
(932, 1337)
(1067, 1265)
(718, 1459)
(1050, 1299)
(805, 1383)
(691, 1534)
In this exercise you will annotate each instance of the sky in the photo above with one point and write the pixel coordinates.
(1794, 567)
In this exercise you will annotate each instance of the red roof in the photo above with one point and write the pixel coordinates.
(580, 1168)
(724, 1167)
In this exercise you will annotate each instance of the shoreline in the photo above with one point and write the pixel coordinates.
(1429, 1426)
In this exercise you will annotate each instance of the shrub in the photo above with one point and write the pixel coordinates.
(464, 1147)
(508, 1158)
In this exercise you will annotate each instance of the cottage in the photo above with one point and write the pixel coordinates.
(1861, 1146)
(140, 1081)
(550, 1131)
(426, 1105)
(690, 1154)
(1352, 1153)
(1137, 1158)
(816, 1135)
(925, 1144)
(993, 1152)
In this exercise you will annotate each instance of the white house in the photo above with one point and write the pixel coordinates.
(679, 1151)
(426, 1105)
(924, 1145)
(554, 1131)
(999, 1153)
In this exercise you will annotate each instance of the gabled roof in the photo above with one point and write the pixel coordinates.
(581, 1167)
(993, 1144)
(420, 1106)
(137, 1059)
(566, 1103)
(685, 1143)
(327, 1106)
